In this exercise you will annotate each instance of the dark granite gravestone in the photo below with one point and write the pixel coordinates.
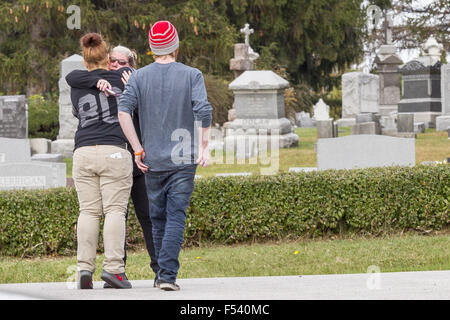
(421, 84)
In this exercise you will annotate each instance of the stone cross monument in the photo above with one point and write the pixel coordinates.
(388, 63)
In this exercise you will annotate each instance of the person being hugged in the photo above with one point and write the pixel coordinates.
(102, 167)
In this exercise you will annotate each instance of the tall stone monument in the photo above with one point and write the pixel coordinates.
(388, 63)
(260, 111)
(244, 56)
(67, 122)
(421, 83)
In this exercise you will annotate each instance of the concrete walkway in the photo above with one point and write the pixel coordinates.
(429, 285)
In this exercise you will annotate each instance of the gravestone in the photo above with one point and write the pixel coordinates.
(421, 85)
(40, 146)
(321, 111)
(67, 122)
(32, 175)
(443, 121)
(359, 94)
(13, 117)
(14, 150)
(366, 123)
(364, 151)
(325, 129)
(405, 122)
(260, 111)
(419, 127)
(18, 171)
(303, 120)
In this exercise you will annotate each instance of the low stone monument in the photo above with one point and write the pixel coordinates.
(18, 171)
(67, 122)
(421, 83)
(260, 111)
(366, 123)
(13, 117)
(303, 120)
(364, 151)
(405, 122)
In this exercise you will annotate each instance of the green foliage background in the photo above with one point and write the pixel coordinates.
(310, 39)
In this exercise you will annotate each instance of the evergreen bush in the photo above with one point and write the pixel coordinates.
(227, 210)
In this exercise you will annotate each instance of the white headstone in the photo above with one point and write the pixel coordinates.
(360, 93)
(365, 151)
(321, 111)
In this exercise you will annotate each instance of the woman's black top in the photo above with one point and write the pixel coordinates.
(97, 113)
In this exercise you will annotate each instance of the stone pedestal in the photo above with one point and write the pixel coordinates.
(260, 111)
(67, 122)
(241, 61)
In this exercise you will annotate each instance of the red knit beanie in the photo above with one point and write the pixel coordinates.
(163, 38)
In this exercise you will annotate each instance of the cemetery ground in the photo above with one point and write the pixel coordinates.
(430, 146)
(346, 254)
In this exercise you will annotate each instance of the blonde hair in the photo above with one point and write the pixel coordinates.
(95, 52)
(132, 56)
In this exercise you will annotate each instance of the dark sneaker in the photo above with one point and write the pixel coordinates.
(117, 281)
(85, 280)
(168, 286)
(106, 285)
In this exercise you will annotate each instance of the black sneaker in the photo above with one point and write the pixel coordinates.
(106, 285)
(168, 286)
(85, 280)
(117, 281)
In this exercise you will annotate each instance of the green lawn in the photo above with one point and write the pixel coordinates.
(430, 146)
(408, 252)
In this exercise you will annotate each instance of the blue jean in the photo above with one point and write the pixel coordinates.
(169, 193)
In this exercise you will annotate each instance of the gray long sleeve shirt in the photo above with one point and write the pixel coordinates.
(173, 103)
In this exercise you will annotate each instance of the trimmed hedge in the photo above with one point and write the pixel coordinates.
(236, 209)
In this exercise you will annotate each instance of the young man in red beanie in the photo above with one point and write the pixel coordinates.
(174, 117)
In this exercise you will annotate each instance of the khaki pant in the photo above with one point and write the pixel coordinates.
(103, 178)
